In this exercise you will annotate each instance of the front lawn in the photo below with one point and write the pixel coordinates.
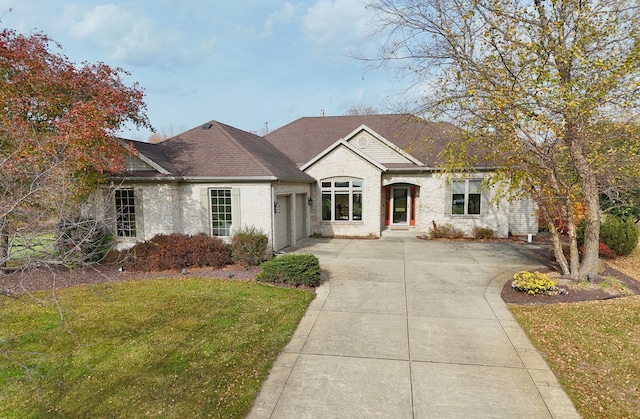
(594, 350)
(165, 348)
(592, 347)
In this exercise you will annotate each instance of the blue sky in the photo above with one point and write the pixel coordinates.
(239, 62)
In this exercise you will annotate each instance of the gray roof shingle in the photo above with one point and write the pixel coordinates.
(217, 150)
(304, 138)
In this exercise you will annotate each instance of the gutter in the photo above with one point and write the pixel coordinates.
(204, 179)
(436, 169)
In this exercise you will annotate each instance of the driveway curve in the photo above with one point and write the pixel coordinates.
(407, 328)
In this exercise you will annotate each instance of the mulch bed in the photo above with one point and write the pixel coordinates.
(18, 283)
(574, 292)
(38, 279)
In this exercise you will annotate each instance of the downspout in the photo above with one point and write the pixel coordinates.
(273, 218)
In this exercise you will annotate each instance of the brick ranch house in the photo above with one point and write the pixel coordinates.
(351, 176)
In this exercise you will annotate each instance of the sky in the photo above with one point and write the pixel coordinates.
(251, 64)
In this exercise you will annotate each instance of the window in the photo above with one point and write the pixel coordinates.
(341, 200)
(465, 197)
(125, 213)
(220, 212)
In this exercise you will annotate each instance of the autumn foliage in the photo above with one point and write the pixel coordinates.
(58, 127)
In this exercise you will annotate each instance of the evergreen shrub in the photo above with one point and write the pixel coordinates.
(291, 269)
(619, 235)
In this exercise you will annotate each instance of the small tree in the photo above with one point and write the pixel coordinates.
(547, 90)
(58, 125)
(362, 110)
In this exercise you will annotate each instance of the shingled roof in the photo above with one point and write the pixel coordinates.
(216, 150)
(304, 138)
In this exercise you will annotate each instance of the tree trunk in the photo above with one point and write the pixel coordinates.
(590, 257)
(574, 258)
(590, 261)
(557, 243)
(4, 243)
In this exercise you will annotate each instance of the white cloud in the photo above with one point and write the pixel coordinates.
(124, 35)
(286, 14)
(337, 22)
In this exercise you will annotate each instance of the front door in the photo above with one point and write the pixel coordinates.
(400, 213)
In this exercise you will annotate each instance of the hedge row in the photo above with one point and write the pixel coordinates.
(177, 251)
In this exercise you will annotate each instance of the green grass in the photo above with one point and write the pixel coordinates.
(35, 247)
(167, 348)
(594, 350)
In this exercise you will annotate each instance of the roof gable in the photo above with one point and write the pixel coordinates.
(338, 144)
(303, 139)
(378, 148)
(218, 150)
(149, 158)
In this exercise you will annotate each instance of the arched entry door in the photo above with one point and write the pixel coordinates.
(400, 208)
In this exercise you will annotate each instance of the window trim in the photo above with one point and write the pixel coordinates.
(352, 188)
(480, 192)
(132, 217)
(230, 213)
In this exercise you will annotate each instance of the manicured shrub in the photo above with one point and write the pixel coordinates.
(204, 250)
(483, 233)
(291, 269)
(621, 236)
(176, 251)
(445, 231)
(83, 240)
(249, 246)
(533, 283)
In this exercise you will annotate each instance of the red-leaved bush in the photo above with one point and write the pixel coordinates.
(177, 251)
(603, 250)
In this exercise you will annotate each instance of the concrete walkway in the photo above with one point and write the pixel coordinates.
(406, 328)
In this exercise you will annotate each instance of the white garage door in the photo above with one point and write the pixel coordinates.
(283, 223)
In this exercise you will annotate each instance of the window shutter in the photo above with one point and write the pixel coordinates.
(236, 221)
(205, 209)
(412, 219)
(484, 200)
(447, 198)
(138, 202)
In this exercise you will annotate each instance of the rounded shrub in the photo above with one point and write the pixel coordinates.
(619, 235)
(533, 283)
(291, 269)
(176, 251)
(249, 246)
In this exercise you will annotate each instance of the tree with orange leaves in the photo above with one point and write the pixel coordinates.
(58, 132)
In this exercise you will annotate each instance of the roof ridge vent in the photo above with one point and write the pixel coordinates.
(207, 126)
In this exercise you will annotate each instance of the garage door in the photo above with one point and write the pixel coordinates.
(301, 216)
(283, 222)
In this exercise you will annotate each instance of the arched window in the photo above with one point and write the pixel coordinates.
(341, 199)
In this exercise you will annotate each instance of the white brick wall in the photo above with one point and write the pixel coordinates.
(183, 208)
(343, 162)
(432, 205)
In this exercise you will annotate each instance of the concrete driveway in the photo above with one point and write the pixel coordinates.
(405, 328)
